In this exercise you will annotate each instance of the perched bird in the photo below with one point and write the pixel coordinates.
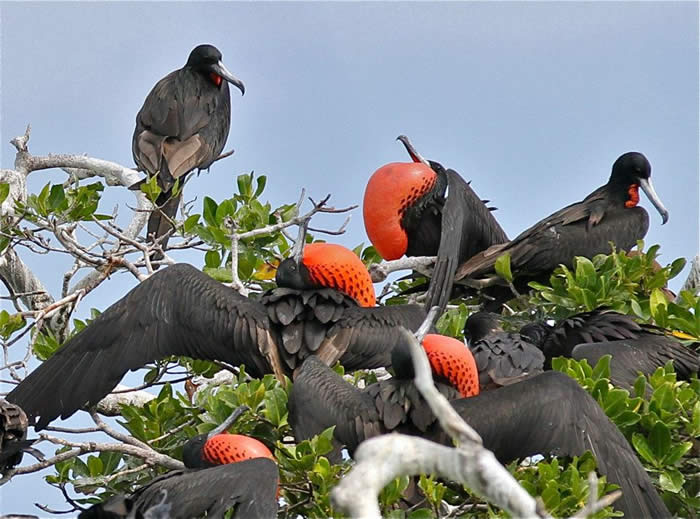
(181, 311)
(586, 228)
(225, 471)
(502, 358)
(320, 398)
(547, 414)
(13, 435)
(421, 209)
(183, 125)
(635, 348)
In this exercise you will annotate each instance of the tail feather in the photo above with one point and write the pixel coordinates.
(159, 223)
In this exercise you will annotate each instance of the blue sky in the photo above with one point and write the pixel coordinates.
(531, 101)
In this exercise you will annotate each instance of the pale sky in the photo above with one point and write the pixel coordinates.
(531, 101)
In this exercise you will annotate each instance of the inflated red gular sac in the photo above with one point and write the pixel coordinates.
(450, 359)
(393, 190)
(335, 266)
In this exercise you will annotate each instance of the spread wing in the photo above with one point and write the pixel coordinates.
(250, 486)
(468, 227)
(552, 414)
(320, 398)
(630, 357)
(363, 338)
(178, 311)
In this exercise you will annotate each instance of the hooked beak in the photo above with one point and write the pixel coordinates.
(648, 189)
(221, 70)
(415, 156)
(298, 249)
(228, 422)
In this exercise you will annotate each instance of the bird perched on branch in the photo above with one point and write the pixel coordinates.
(224, 471)
(183, 125)
(420, 208)
(609, 214)
(321, 307)
(547, 414)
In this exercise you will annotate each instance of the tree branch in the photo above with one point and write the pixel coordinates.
(380, 271)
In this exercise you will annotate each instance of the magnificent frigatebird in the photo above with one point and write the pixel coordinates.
(224, 471)
(635, 348)
(381, 407)
(182, 311)
(407, 211)
(183, 125)
(546, 414)
(586, 228)
(502, 358)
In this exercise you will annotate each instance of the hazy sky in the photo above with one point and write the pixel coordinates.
(531, 101)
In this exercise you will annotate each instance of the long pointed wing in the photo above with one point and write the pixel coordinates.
(552, 414)
(178, 311)
(468, 227)
(250, 486)
(363, 338)
(320, 398)
(630, 357)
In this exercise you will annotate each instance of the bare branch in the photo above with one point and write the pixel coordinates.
(380, 271)
(692, 282)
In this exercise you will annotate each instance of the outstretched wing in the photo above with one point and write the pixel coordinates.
(552, 414)
(363, 338)
(468, 227)
(644, 355)
(250, 486)
(178, 311)
(320, 398)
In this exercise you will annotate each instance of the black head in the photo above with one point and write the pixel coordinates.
(479, 325)
(291, 274)
(630, 171)
(192, 452)
(206, 59)
(630, 167)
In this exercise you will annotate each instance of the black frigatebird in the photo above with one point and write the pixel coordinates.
(383, 406)
(420, 208)
(547, 414)
(182, 311)
(502, 358)
(586, 228)
(635, 348)
(183, 125)
(224, 471)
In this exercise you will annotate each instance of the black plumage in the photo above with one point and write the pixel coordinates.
(13, 435)
(182, 311)
(250, 486)
(501, 357)
(586, 228)
(635, 348)
(183, 125)
(449, 221)
(547, 414)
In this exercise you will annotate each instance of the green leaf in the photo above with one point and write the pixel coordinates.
(4, 191)
(191, 223)
(245, 183)
(502, 267)
(660, 439)
(212, 259)
(642, 447)
(261, 182)
(671, 480)
(210, 207)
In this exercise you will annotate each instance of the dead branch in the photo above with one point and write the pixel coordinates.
(380, 271)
